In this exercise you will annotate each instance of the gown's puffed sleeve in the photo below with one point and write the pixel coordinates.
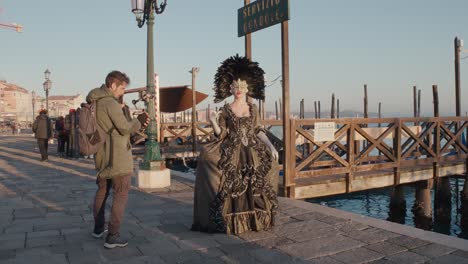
(222, 124)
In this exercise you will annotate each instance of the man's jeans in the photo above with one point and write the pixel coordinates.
(120, 186)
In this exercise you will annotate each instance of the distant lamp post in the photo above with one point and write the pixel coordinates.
(33, 101)
(145, 11)
(47, 85)
(194, 72)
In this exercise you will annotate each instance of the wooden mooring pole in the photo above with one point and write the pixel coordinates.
(338, 108)
(315, 110)
(366, 113)
(276, 109)
(442, 189)
(332, 114)
(319, 110)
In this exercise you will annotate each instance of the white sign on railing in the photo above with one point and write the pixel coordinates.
(324, 131)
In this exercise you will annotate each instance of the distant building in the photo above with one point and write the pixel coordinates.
(59, 105)
(15, 103)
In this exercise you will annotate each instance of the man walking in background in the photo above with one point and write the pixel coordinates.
(114, 161)
(43, 131)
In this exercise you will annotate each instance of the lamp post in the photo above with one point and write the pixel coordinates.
(33, 100)
(47, 85)
(145, 11)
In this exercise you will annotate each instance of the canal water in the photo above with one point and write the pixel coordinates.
(376, 203)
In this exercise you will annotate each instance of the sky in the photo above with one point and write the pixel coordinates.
(336, 46)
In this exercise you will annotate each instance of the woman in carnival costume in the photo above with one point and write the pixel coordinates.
(237, 176)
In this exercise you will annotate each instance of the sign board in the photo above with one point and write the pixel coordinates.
(324, 131)
(261, 14)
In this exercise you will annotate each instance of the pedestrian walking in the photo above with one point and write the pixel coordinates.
(113, 162)
(60, 132)
(43, 131)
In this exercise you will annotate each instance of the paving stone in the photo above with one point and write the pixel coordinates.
(407, 242)
(292, 211)
(239, 258)
(191, 235)
(433, 250)
(274, 242)
(44, 241)
(16, 236)
(42, 255)
(197, 243)
(407, 257)
(74, 230)
(7, 254)
(372, 235)
(272, 256)
(18, 228)
(333, 220)
(204, 260)
(294, 227)
(25, 213)
(43, 233)
(141, 260)
(306, 235)
(12, 244)
(461, 253)
(158, 247)
(210, 252)
(449, 259)
(121, 254)
(325, 260)
(386, 248)
(224, 239)
(173, 228)
(358, 255)
(181, 257)
(239, 248)
(310, 216)
(285, 220)
(253, 236)
(321, 247)
(385, 261)
(351, 226)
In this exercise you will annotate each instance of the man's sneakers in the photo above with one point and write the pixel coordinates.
(115, 240)
(98, 233)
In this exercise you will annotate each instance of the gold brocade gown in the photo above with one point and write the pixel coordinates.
(236, 180)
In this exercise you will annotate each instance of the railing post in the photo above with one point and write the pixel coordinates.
(291, 181)
(350, 156)
(397, 152)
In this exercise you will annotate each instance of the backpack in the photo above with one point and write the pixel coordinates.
(91, 137)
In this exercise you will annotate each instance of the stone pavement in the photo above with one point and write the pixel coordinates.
(45, 217)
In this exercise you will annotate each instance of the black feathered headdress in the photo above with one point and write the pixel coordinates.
(234, 68)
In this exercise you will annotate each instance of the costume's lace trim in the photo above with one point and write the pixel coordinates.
(237, 180)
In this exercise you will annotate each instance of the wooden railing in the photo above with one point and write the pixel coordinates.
(371, 144)
(361, 145)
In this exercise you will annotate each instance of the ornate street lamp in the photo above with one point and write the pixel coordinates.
(47, 85)
(33, 100)
(144, 11)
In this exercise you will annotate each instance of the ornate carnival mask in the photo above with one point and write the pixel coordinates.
(239, 84)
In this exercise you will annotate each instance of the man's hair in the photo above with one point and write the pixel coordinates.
(116, 77)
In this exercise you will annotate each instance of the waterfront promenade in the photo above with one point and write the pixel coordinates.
(45, 217)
